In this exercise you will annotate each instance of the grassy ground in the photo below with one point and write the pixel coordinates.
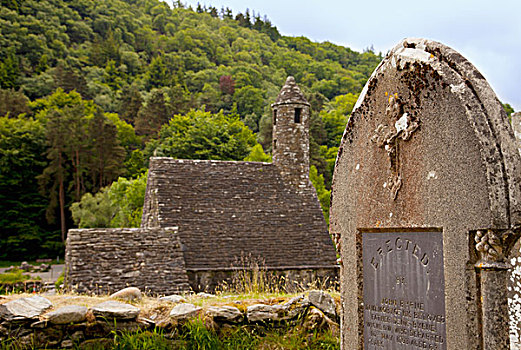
(201, 333)
(251, 286)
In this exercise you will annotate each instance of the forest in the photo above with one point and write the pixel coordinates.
(89, 90)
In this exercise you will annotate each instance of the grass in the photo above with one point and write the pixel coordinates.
(200, 333)
(13, 277)
(252, 283)
(197, 335)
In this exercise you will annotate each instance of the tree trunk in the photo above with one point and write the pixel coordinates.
(61, 196)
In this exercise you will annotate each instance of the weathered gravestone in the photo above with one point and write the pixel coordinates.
(514, 288)
(426, 206)
(516, 126)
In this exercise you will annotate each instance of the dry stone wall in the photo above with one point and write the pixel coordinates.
(226, 211)
(105, 260)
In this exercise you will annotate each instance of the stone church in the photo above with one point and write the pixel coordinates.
(202, 219)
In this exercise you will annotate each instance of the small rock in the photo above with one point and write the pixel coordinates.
(25, 266)
(225, 313)
(24, 308)
(146, 322)
(67, 343)
(115, 309)
(295, 306)
(173, 298)
(67, 314)
(287, 311)
(39, 324)
(315, 319)
(128, 294)
(262, 312)
(77, 336)
(184, 310)
(323, 301)
(205, 295)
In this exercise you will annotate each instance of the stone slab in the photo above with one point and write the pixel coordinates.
(428, 147)
(404, 290)
(24, 308)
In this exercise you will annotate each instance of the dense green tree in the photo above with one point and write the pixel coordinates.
(13, 103)
(69, 79)
(83, 150)
(93, 210)
(324, 195)
(257, 155)
(9, 72)
(153, 114)
(158, 74)
(334, 117)
(130, 103)
(120, 205)
(106, 153)
(203, 135)
(54, 177)
(250, 101)
(24, 232)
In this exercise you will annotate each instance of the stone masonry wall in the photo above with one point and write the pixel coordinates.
(226, 211)
(106, 260)
(291, 143)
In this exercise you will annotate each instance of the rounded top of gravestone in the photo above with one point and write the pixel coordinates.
(290, 93)
(430, 134)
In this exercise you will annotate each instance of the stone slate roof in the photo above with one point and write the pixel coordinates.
(225, 210)
(290, 93)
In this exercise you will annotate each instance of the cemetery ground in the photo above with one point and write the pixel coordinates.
(251, 312)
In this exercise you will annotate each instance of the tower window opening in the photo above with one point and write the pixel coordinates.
(275, 144)
(274, 117)
(298, 112)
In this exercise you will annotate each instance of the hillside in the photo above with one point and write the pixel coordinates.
(87, 86)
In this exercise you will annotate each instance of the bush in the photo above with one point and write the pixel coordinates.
(13, 277)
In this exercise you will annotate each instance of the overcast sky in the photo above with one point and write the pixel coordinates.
(488, 33)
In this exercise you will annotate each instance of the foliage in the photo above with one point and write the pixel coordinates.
(111, 83)
(24, 231)
(335, 115)
(93, 210)
(257, 155)
(83, 150)
(145, 340)
(508, 108)
(60, 280)
(128, 196)
(198, 334)
(324, 195)
(203, 135)
(13, 103)
(119, 205)
(13, 277)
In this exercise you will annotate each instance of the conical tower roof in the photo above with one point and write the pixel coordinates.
(290, 93)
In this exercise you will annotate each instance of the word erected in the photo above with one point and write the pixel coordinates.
(397, 245)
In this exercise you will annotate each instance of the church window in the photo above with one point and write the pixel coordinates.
(298, 112)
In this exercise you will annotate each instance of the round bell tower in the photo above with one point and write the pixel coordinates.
(290, 146)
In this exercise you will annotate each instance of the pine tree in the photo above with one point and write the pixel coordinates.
(106, 154)
(153, 114)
